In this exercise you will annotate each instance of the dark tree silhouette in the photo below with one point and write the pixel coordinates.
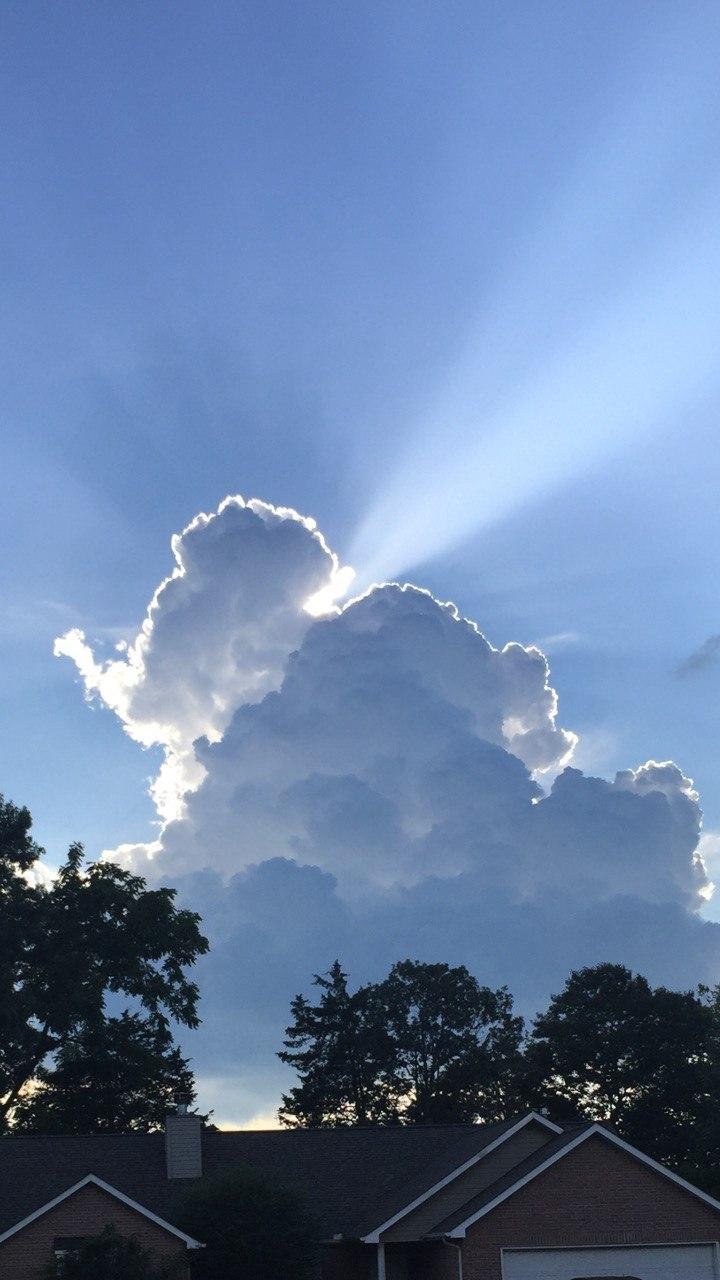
(343, 1053)
(644, 1060)
(121, 1074)
(111, 1256)
(427, 1044)
(456, 1044)
(252, 1230)
(69, 943)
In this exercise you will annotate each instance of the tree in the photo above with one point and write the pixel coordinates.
(457, 1044)
(426, 1044)
(111, 1256)
(342, 1052)
(251, 1230)
(644, 1060)
(122, 1074)
(70, 942)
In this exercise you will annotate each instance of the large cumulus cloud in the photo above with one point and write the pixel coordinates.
(391, 751)
(217, 632)
(372, 785)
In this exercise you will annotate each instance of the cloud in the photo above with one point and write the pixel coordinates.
(277, 923)
(373, 784)
(707, 855)
(558, 640)
(394, 715)
(217, 632)
(706, 656)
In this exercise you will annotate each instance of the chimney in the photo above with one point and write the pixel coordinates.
(183, 1143)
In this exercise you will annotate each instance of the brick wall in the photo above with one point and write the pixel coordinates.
(598, 1194)
(26, 1255)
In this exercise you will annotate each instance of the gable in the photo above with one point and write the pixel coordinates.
(481, 1175)
(26, 1252)
(90, 1205)
(432, 1191)
(599, 1192)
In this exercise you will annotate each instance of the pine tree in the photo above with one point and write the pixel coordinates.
(342, 1052)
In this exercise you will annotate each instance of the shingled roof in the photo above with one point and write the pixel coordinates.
(354, 1178)
(357, 1181)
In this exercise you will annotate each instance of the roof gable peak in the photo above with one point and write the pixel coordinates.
(592, 1130)
(91, 1179)
(532, 1117)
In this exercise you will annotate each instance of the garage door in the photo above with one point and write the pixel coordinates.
(662, 1262)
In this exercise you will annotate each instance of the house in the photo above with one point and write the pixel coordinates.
(527, 1199)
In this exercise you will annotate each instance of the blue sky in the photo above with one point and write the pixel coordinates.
(312, 253)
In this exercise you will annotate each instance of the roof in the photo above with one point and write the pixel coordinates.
(357, 1177)
(455, 1180)
(356, 1180)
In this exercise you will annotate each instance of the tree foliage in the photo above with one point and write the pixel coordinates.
(341, 1049)
(252, 1230)
(456, 1044)
(644, 1060)
(111, 1256)
(427, 1044)
(123, 1073)
(68, 945)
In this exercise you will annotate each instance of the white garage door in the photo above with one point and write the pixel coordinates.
(663, 1262)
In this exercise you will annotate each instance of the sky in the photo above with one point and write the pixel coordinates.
(444, 278)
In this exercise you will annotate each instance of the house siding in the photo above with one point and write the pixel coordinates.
(26, 1255)
(597, 1194)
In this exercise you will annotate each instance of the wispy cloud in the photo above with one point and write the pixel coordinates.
(558, 640)
(708, 655)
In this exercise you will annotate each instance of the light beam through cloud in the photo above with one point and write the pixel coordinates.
(600, 330)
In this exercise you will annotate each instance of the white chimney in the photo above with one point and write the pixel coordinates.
(183, 1143)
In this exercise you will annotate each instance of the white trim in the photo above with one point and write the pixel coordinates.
(93, 1180)
(597, 1130)
(373, 1237)
(381, 1271)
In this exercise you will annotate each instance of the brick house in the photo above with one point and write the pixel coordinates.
(522, 1200)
